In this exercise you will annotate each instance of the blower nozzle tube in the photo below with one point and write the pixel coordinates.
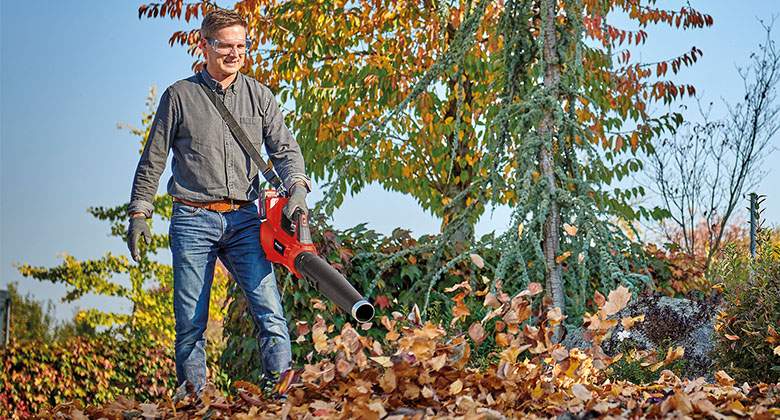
(328, 281)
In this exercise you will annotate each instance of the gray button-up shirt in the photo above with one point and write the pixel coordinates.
(208, 162)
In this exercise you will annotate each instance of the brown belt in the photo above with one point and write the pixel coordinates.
(220, 206)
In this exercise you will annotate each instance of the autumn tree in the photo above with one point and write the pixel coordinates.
(535, 104)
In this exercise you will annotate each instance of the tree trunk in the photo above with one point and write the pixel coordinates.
(551, 244)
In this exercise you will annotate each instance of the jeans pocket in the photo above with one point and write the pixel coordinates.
(180, 209)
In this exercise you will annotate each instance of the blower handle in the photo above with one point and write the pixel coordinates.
(302, 222)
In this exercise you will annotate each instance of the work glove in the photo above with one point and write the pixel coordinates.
(137, 228)
(297, 201)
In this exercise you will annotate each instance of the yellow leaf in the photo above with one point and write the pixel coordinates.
(456, 387)
(673, 355)
(438, 362)
(629, 322)
(570, 230)
(384, 361)
(561, 258)
(520, 230)
(777, 350)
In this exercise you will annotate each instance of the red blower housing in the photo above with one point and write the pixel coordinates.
(289, 243)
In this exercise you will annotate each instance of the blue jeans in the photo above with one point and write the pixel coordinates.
(197, 238)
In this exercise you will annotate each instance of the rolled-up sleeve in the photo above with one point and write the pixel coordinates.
(154, 156)
(284, 151)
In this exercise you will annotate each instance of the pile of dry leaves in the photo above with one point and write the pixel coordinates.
(427, 374)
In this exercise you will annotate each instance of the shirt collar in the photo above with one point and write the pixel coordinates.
(214, 85)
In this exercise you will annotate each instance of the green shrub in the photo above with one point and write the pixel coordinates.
(747, 326)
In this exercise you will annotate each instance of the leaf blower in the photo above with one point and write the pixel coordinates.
(288, 242)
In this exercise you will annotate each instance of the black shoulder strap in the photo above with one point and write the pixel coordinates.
(266, 168)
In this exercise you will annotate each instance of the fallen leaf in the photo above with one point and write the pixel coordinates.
(378, 408)
(673, 355)
(732, 337)
(491, 301)
(570, 229)
(477, 333)
(560, 354)
(317, 304)
(384, 361)
(629, 321)
(438, 362)
(617, 300)
(581, 392)
(388, 381)
(456, 387)
(723, 378)
(599, 299)
(520, 230)
(777, 350)
(555, 316)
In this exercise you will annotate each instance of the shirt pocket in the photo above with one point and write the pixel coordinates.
(254, 129)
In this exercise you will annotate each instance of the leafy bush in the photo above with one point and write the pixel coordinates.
(674, 272)
(748, 344)
(36, 374)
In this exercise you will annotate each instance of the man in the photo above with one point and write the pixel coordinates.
(214, 186)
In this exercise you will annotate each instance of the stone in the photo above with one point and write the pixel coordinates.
(669, 322)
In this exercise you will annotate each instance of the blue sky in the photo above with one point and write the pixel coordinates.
(70, 71)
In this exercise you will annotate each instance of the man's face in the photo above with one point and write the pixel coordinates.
(228, 56)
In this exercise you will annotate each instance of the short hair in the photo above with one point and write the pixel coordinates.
(218, 19)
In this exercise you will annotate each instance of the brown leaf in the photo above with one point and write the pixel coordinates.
(617, 300)
(491, 301)
(302, 327)
(599, 299)
(555, 316)
(704, 406)
(723, 378)
(388, 381)
(477, 332)
(534, 288)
